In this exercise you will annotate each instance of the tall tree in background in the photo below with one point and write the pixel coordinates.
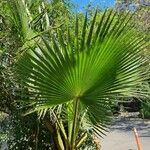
(142, 16)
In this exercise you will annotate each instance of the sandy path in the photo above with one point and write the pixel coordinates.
(121, 136)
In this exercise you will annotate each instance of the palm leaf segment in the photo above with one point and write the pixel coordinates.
(94, 66)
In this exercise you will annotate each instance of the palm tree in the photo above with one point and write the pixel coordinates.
(77, 77)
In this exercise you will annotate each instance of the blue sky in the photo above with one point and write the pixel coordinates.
(102, 3)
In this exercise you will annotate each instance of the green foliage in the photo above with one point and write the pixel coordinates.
(20, 21)
(72, 71)
(27, 134)
(3, 128)
(141, 24)
(141, 18)
(89, 69)
(145, 109)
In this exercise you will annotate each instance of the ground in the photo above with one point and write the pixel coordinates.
(121, 136)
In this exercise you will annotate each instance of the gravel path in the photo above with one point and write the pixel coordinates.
(121, 136)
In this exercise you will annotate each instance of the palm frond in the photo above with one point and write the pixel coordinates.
(101, 63)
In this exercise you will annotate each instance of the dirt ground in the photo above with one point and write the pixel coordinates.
(121, 136)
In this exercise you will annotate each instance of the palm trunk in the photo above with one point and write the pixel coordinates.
(75, 125)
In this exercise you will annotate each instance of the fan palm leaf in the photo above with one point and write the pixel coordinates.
(89, 68)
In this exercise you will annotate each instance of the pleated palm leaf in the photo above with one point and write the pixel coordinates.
(86, 71)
